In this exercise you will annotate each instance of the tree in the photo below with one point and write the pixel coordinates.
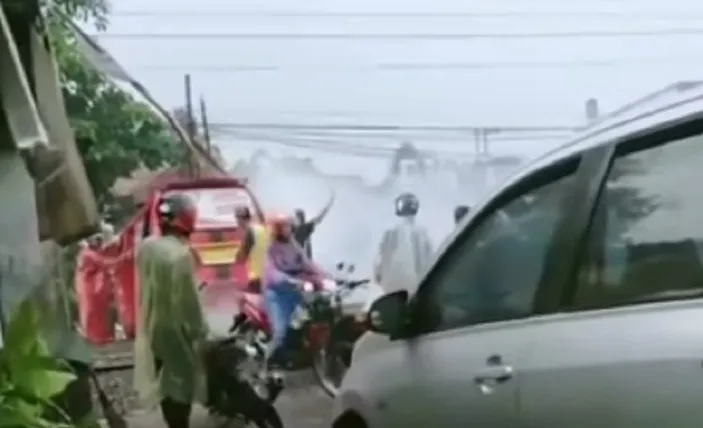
(114, 132)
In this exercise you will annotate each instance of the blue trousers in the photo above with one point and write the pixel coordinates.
(281, 300)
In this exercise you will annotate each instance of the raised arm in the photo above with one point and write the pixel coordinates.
(318, 218)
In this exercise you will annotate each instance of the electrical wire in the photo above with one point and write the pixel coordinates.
(395, 136)
(439, 66)
(303, 144)
(104, 63)
(404, 36)
(452, 139)
(334, 144)
(655, 15)
(389, 127)
(416, 136)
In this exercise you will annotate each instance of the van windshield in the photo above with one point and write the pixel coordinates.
(216, 206)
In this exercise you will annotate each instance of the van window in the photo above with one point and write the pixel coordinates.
(646, 241)
(493, 270)
(216, 206)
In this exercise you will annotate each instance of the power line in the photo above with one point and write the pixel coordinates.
(403, 36)
(444, 136)
(391, 127)
(329, 146)
(662, 15)
(451, 136)
(325, 146)
(378, 141)
(334, 145)
(442, 66)
(381, 139)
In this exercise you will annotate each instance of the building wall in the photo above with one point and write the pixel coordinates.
(20, 261)
(34, 121)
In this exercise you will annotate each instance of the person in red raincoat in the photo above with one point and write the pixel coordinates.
(92, 283)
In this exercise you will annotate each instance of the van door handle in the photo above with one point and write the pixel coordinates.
(497, 374)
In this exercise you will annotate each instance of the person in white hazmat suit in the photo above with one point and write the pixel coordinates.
(405, 251)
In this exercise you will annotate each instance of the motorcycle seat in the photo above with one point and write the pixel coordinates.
(253, 299)
(252, 305)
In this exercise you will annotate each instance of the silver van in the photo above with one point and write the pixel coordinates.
(571, 297)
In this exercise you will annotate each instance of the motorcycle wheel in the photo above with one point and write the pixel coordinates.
(329, 380)
(269, 419)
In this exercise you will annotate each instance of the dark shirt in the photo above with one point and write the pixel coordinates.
(247, 245)
(302, 235)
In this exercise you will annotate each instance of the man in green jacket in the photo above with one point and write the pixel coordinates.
(171, 327)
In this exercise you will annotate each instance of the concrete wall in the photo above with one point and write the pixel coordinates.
(34, 133)
(20, 260)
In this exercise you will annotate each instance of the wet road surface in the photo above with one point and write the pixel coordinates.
(299, 408)
(301, 405)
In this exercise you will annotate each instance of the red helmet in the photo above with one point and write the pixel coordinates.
(179, 212)
(280, 224)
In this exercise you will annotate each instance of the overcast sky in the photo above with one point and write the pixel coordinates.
(338, 80)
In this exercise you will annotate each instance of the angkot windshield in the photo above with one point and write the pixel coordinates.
(216, 206)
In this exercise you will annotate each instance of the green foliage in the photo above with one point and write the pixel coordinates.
(115, 133)
(95, 11)
(29, 377)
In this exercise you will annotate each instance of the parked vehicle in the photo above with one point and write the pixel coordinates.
(215, 244)
(570, 296)
(321, 333)
(331, 357)
(232, 396)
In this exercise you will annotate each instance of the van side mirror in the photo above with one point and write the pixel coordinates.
(387, 314)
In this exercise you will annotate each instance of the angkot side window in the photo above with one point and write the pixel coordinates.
(493, 271)
(646, 240)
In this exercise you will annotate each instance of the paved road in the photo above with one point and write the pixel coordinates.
(303, 405)
(299, 408)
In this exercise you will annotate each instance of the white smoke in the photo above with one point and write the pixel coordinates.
(362, 210)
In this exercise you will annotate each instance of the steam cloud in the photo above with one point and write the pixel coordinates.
(361, 211)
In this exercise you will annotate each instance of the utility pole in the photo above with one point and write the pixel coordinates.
(592, 111)
(477, 143)
(190, 126)
(477, 170)
(206, 128)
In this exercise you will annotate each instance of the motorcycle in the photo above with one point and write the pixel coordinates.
(332, 357)
(321, 333)
(232, 395)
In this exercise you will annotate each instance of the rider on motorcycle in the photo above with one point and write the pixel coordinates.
(405, 251)
(286, 269)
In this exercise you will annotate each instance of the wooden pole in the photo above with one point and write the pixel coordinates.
(190, 125)
(206, 128)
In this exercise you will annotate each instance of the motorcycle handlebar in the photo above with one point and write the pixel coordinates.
(352, 284)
